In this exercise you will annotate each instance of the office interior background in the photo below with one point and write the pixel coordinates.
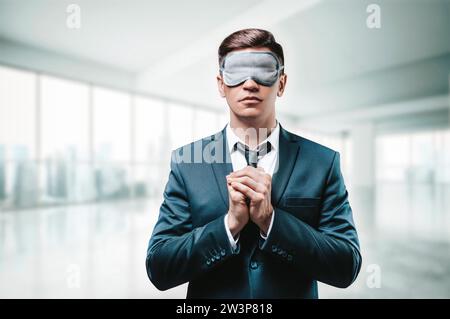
(95, 94)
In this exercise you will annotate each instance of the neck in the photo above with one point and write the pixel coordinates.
(252, 131)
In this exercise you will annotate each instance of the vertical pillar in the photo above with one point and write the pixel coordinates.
(362, 195)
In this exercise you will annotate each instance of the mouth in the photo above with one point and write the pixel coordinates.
(251, 99)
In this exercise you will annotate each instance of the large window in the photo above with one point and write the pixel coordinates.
(150, 133)
(152, 146)
(65, 142)
(419, 157)
(413, 182)
(111, 126)
(112, 143)
(18, 149)
(64, 161)
(65, 119)
(339, 142)
(17, 114)
(206, 123)
(180, 125)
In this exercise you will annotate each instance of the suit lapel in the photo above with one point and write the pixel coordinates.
(224, 167)
(287, 156)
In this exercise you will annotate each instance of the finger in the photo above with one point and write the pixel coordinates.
(260, 177)
(249, 171)
(250, 182)
(244, 189)
(235, 195)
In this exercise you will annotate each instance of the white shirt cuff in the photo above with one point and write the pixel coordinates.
(229, 234)
(270, 227)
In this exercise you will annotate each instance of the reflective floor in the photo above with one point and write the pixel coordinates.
(98, 251)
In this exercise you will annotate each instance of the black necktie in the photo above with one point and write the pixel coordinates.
(250, 233)
(252, 156)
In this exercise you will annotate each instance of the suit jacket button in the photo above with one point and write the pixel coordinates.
(253, 265)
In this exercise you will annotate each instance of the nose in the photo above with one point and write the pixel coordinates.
(250, 85)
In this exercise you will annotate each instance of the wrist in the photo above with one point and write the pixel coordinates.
(265, 225)
(234, 225)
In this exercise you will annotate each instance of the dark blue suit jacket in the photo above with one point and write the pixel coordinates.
(313, 236)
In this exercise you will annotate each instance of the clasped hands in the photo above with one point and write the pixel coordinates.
(256, 185)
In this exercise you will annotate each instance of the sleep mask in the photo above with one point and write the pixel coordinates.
(261, 66)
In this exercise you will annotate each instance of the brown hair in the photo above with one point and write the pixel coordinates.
(250, 38)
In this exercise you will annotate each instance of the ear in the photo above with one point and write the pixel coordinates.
(282, 84)
(220, 85)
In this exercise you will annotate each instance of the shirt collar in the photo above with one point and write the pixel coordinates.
(273, 138)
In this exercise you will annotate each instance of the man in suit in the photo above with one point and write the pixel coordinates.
(253, 211)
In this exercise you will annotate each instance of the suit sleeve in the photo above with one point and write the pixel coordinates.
(329, 253)
(177, 252)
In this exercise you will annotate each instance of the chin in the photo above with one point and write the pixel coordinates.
(253, 109)
(250, 113)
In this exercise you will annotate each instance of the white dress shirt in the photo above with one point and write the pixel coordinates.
(268, 162)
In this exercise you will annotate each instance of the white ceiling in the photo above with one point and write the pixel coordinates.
(327, 43)
(124, 34)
